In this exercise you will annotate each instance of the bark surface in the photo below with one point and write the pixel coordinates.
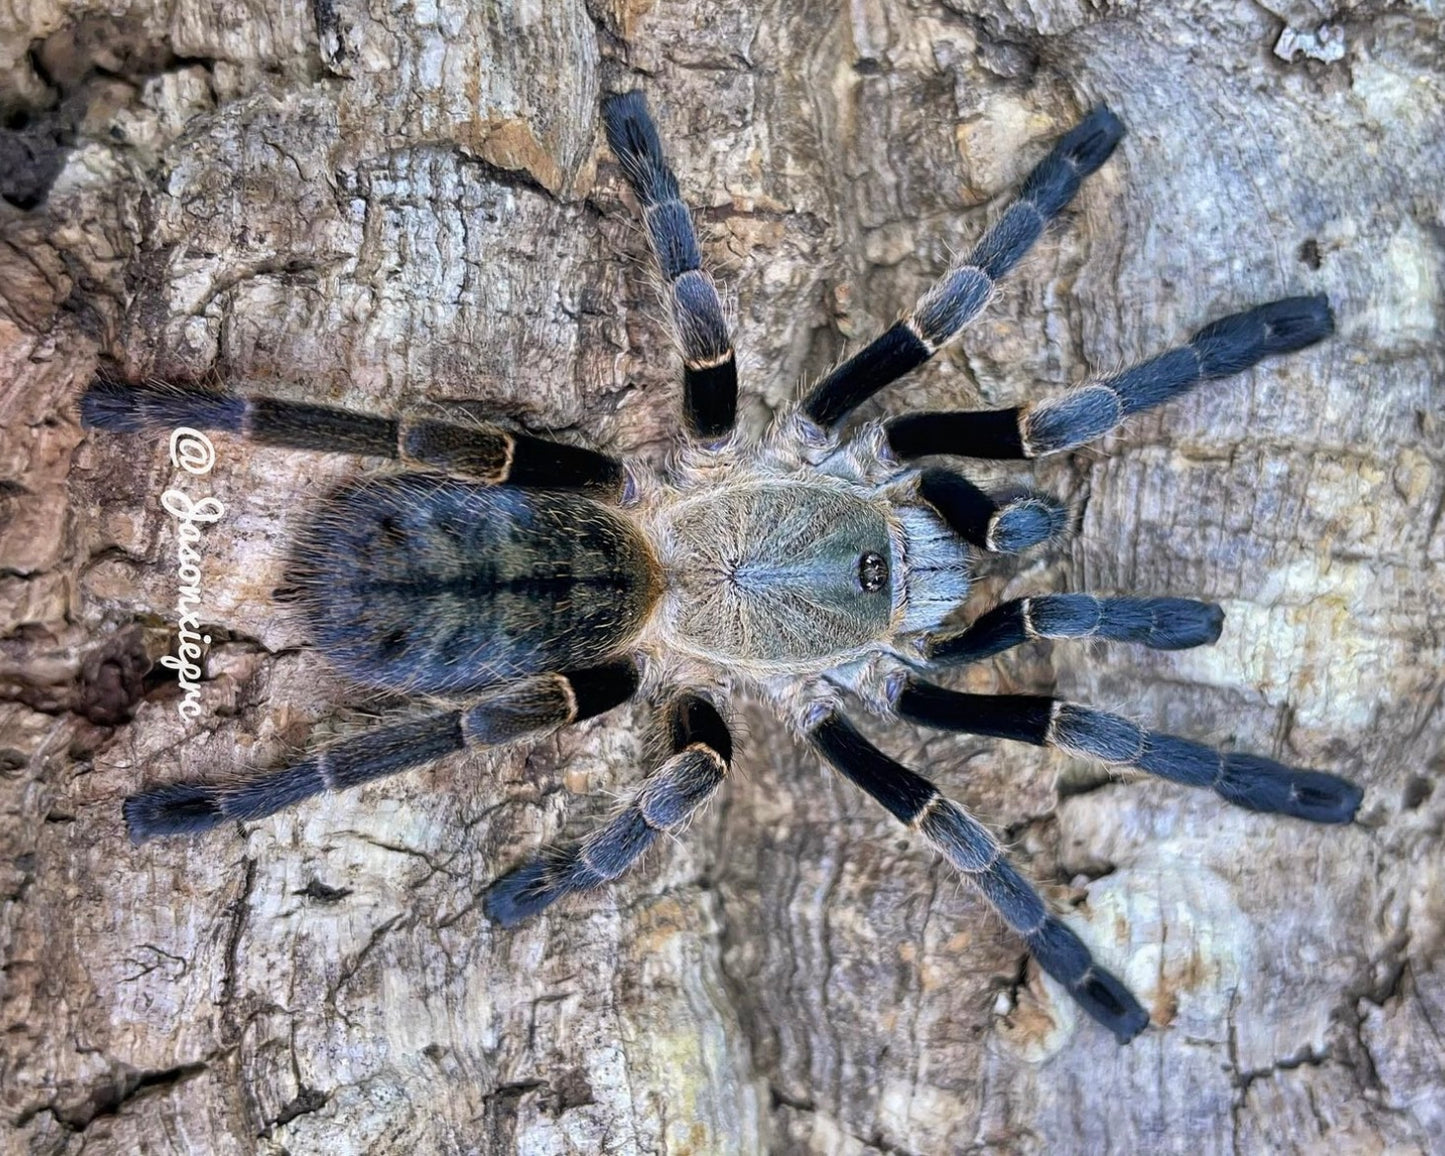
(393, 204)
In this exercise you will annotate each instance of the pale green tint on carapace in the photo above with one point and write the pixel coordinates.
(778, 573)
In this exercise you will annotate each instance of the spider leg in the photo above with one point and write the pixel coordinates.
(1249, 781)
(710, 374)
(486, 453)
(1004, 526)
(1158, 623)
(664, 804)
(530, 707)
(962, 292)
(967, 844)
(1221, 349)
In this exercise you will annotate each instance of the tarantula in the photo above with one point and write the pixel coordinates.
(534, 584)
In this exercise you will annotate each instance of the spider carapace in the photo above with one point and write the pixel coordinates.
(531, 584)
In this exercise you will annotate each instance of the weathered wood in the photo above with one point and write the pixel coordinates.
(375, 205)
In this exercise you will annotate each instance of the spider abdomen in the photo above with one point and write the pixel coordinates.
(778, 574)
(432, 585)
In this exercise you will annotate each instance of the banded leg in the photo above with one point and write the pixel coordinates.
(665, 803)
(530, 707)
(1003, 526)
(962, 292)
(1249, 781)
(1158, 623)
(486, 453)
(967, 844)
(1221, 349)
(710, 374)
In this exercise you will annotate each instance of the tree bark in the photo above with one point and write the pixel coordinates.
(388, 205)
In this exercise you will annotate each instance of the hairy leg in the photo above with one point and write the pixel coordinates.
(530, 707)
(1158, 623)
(1221, 349)
(1250, 781)
(485, 453)
(709, 375)
(1003, 525)
(962, 292)
(969, 847)
(672, 794)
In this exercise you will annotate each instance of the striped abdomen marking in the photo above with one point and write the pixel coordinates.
(431, 585)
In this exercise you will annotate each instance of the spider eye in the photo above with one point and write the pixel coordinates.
(872, 571)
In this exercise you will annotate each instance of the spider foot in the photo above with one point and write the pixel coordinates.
(1233, 344)
(121, 408)
(521, 894)
(175, 809)
(1078, 153)
(1260, 784)
(1063, 955)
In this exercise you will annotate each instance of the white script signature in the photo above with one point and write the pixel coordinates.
(191, 451)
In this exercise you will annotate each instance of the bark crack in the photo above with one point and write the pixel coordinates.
(109, 1096)
(353, 965)
(240, 909)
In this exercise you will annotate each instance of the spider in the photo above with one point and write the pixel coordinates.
(529, 584)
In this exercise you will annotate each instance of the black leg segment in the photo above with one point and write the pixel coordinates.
(1025, 718)
(1221, 349)
(506, 457)
(710, 380)
(486, 453)
(1005, 525)
(992, 434)
(974, 852)
(664, 804)
(962, 292)
(1158, 623)
(710, 398)
(1250, 781)
(905, 794)
(884, 360)
(528, 707)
